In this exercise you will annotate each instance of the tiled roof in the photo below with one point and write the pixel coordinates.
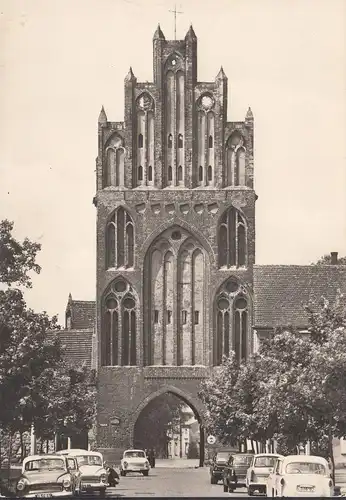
(77, 346)
(83, 313)
(280, 292)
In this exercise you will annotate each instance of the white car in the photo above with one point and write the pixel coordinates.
(134, 461)
(94, 476)
(257, 474)
(300, 475)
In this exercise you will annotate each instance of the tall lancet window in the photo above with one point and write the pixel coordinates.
(119, 325)
(204, 176)
(120, 240)
(175, 285)
(235, 160)
(232, 239)
(114, 162)
(145, 171)
(232, 322)
(175, 121)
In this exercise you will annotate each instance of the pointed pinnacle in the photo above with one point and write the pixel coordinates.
(130, 76)
(221, 75)
(102, 117)
(69, 297)
(249, 114)
(191, 34)
(158, 35)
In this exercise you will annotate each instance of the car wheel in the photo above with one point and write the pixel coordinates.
(145, 473)
(250, 492)
(213, 480)
(122, 473)
(230, 490)
(103, 493)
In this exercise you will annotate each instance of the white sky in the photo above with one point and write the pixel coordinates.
(60, 60)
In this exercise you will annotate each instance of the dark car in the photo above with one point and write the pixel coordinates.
(218, 464)
(234, 474)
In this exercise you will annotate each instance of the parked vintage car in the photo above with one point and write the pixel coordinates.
(218, 463)
(94, 476)
(134, 461)
(300, 475)
(48, 476)
(234, 473)
(258, 472)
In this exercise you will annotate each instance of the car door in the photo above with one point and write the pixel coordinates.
(74, 471)
(248, 472)
(277, 477)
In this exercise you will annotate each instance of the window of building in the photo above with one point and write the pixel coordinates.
(120, 240)
(170, 176)
(140, 173)
(140, 140)
(200, 173)
(232, 243)
(169, 317)
(156, 316)
(210, 173)
(180, 173)
(210, 141)
(196, 317)
(180, 141)
(170, 141)
(150, 173)
(184, 317)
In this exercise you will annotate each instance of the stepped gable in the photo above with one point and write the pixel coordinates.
(280, 292)
(77, 345)
(83, 314)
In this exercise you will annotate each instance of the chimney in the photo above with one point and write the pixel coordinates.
(334, 256)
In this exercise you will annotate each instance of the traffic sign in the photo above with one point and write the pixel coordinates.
(211, 439)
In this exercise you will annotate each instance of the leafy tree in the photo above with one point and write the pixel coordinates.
(16, 259)
(327, 259)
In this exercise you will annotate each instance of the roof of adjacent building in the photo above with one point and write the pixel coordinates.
(77, 345)
(83, 313)
(280, 292)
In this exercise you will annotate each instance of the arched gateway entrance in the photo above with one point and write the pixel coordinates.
(170, 423)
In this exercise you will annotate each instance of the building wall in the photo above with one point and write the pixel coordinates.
(175, 240)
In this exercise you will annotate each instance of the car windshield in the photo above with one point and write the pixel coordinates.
(134, 454)
(242, 460)
(305, 468)
(89, 460)
(265, 461)
(223, 455)
(43, 464)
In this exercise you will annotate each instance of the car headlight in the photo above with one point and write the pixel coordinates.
(66, 483)
(146, 463)
(21, 485)
(103, 478)
(125, 464)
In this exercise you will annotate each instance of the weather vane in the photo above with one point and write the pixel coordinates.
(175, 12)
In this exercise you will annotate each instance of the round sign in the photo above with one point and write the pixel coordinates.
(211, 439)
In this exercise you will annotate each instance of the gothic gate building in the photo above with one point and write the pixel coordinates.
(177, 286)
(175, 239)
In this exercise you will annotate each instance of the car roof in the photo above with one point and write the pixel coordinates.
(268, 455)
(77, 452)
(43, 457)
(305, 458)
(134, 449)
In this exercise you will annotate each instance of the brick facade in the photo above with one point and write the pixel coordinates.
(159, 200)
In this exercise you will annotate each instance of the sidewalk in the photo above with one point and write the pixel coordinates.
(177, 463)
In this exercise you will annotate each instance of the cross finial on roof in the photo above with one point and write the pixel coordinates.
(175, 12)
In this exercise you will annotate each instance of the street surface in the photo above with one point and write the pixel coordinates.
(182, 478)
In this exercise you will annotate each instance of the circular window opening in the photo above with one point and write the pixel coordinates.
(120, 286)
(223, 304)
(176, 235)
(111, 303)
(241, 303)
(129, 303)
(231, 286)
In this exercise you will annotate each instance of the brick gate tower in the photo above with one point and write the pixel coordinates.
(175, 240)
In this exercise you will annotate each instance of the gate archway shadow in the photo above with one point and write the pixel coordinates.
(170, 422)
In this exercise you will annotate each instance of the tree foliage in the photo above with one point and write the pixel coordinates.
(327, 259)
(292, 390)
(36, 385)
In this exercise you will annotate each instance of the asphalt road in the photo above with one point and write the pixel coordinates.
(171, 482)
(175, 482)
